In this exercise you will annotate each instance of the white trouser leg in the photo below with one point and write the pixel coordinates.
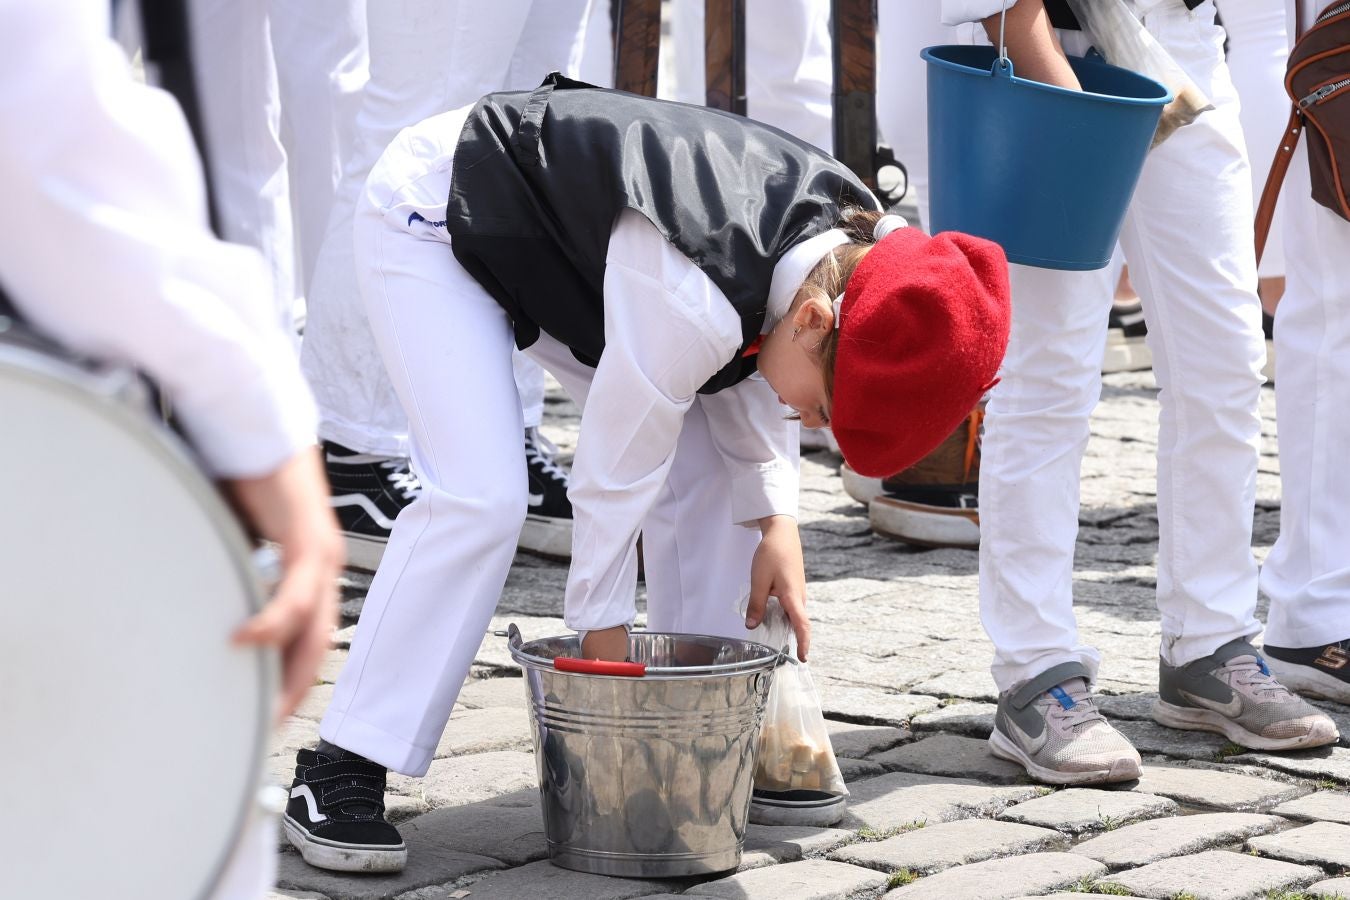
(697, 561)
(321, 62)
(426, 56)
(789, 68)
(241, 114)
(1188, 237)
(1258, 48)
(1307, 575)
(1035, 431)
(530, 386)
(447, 344)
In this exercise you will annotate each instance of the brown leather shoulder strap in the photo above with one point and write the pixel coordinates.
(1270, 195)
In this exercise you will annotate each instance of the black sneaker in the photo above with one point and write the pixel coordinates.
(935, 502)
(548, 525)
(335, 816)
(1125, 332)
(367, 493)
(1321, 671)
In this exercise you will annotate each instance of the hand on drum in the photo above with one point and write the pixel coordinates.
(779, 571)
(290, 506)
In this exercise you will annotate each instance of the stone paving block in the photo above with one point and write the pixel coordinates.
(1214, 875)
(944, 845)
(1150, 737)
(1337, 888)
(871, 706)
(294, 895)
(512, 834)
(485, 730)
(1194, 786)
(293, 734)
(854, 769)
(485, 693)
(949, 754)
(1325, 844)
(810, 879)
(468, 779)
(1322, 806)
(1127, 706)
(428, 864)
(996, 879)
(545, 881)
(1340, 714)
(903, 798)
(858, 741)
(1146, 842)
(767, 844)
(315, 703)
(1324, 762)
(1076, 810)
(332, 664)
(969, 718)
(973, 684)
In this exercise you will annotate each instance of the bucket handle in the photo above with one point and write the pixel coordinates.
(1003, 63)
(599, 667)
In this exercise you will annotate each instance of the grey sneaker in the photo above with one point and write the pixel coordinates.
(1051, 727)
(1232, 692)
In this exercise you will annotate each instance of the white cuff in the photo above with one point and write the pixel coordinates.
(770, 489)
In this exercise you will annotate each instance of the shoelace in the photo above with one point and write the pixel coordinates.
(1082, 708)
(540, 451)
(1251, 671)
(402, 477)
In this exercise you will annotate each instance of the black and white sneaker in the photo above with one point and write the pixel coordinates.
(548, 524)
(1321, 671)
(335, 816)
(1125, 347)
(367, 493)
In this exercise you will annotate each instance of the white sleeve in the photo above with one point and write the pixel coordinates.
(759, 447)
(958, 12)
(104, 243)
(667, 330)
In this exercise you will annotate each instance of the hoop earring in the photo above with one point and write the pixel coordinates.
(796, 331)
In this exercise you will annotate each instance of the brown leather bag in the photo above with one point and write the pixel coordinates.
(1318, 81)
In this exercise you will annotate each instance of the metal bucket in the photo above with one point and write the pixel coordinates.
(645, 767)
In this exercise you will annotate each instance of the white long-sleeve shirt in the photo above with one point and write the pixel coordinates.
(104, 242)
(668, 328)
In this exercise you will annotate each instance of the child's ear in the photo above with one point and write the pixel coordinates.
(812, 315)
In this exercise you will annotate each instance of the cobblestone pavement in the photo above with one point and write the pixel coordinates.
(901, 662)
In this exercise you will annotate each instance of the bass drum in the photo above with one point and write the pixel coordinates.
(133, 731)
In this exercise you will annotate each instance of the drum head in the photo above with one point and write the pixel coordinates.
(133, 731)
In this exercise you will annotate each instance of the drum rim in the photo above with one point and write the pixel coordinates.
(113, 391)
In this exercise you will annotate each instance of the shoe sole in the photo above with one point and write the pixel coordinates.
(815, 813)
(924, 526)
(1188, 718)
(547, 537)
(337, 857)
(363, 553)
(860, 487)
(1121, 769)
(1126, 355)
(1309, 681)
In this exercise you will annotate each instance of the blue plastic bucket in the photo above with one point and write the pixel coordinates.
(1046, 173)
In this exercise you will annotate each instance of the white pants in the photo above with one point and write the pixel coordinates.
(278, 82)
(447, 345)
(426, 56)
(788, 64)
(1307, 575)
(1188, 236)
(1258, 48)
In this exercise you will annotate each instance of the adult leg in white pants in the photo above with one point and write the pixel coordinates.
(1307, 575)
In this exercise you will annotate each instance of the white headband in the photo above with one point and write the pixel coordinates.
(885, 225)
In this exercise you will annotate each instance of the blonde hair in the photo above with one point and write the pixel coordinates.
(830, 276)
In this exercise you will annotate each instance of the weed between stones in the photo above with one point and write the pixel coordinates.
(1087, 885)
(1227, 750)
(869, 834)
(900, 879)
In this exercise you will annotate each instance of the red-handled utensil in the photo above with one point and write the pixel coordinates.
(599, 667)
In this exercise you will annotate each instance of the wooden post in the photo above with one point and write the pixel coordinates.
(854, 23)
(724, 54)
(637, 45)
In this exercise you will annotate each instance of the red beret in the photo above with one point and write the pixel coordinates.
(923, 329)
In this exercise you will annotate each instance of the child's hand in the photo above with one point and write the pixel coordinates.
(778, 570)
(608, 644)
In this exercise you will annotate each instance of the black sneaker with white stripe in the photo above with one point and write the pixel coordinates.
(1125, 333)
(335, 816)
(367, 494)
(548, 524)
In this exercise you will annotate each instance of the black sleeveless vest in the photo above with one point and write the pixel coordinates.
(540, 177)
